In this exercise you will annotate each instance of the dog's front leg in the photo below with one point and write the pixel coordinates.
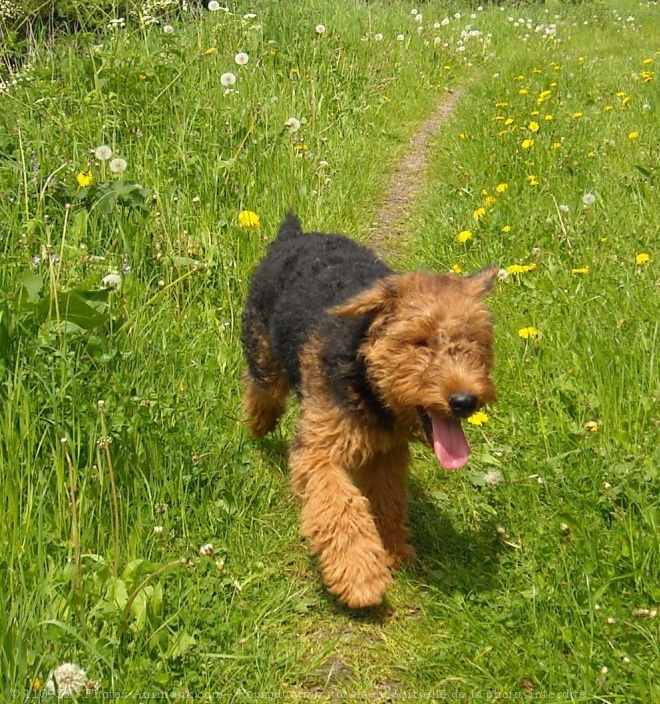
(337, 518)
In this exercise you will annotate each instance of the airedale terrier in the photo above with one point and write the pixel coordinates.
(375, 357)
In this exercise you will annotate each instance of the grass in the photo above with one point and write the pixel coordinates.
(539, 565)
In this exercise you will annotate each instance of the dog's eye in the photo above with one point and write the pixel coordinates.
(422, 343)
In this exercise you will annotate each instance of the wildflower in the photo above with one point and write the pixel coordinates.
(523, 91)
(112, 280)
(248, 220)
(207, 550)
(506, 228)
(400, 37)
(118, 165)
(520, 268)
(588, 199)
(378, 37)
(528, 333)
(84, 178)
(66, 681)
(534, 126)
(508, 121)
(580, 270)
(292, 124)
(577, 115)
(320, 29)
(478, 418)
(633, 135)
(527, 143)
(158, 530)
(489, 201)
(464, 236)
(102, 153)
(456, 268)
(556, 145)
(211, 51)
(228, 79)
(642, 258)
(501, 187)
(479, 213)
(493, 477)
(168, 29)
(607, 108)
(532, 180)
(241, 58)
(563, 208)
(445, 22)
(591, 426)
(213, 6)
(549, 117)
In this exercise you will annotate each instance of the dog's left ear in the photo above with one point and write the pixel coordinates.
(481, 283)
(374, 300)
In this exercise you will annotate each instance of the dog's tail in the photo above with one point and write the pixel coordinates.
(290, 228)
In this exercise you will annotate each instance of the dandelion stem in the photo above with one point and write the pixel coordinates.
(141, 586)
(24, 170)
(113, 491)
(75, 527)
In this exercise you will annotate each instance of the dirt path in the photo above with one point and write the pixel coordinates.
(408, 181)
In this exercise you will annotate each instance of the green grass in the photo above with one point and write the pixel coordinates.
(530, 583)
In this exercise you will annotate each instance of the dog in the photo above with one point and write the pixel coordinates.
(377, 359)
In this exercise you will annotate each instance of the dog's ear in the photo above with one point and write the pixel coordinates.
(374, 300)
(481, 283)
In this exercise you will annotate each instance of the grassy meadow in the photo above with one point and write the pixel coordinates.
(144, 536)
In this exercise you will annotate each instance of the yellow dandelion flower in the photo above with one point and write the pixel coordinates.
(478, 418)
(520, 268)
(211, 51)
(647, 61)
(591, 426)
(625, 101)
(502, 105)
(143, 77)
(447, 67)
(591, 154)
(607, 108)
(534, 113)
(577, 115)
(556, 145)
(464, 236)
(549, 117)
(537, 70)
(580, 59)
(580, 270)
(508, 121)
(642, 258)
(528, 333)
(489, 201)
(457, 269)
(484, 191)
(479, 213)
(501, 187)
(501, 133)
(84, 178)
(527, 143)
(506, 228)
(463, 135)
(633, 135)
(519, 78)
(523, 91)
(534, 126)
(532, 180)
(247, 220)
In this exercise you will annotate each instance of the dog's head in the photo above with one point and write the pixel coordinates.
(429, 351)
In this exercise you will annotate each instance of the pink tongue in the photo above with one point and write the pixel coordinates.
(451, 447)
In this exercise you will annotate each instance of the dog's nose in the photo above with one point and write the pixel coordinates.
(462, 404)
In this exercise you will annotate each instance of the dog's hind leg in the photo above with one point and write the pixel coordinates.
(265, 387)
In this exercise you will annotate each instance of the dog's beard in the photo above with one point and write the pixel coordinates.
(446, 437)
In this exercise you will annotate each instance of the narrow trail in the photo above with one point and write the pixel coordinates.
(408, 181)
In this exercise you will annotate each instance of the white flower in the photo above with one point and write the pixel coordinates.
(400, 37)
(379, 38)
(168, 29)
(436, 25)
(493, 477)
(118, 165)
(588, 199)
(66, 681)
(293, 124)
(213, 6)
(102, 153)
(249, 16)
(419, 18)
(564, 208)
(241, 58)
(158, 530)
(228, 79)
(320, 29)
(112, 280)
(445, 22)
(207, 550)
(457, 15)
(413, 11)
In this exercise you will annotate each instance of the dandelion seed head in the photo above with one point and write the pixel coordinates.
(241, 58)
(228, 79)
(66, 681)
(102, 152)
(118, 165)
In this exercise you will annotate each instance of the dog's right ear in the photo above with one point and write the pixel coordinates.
(374, 300)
